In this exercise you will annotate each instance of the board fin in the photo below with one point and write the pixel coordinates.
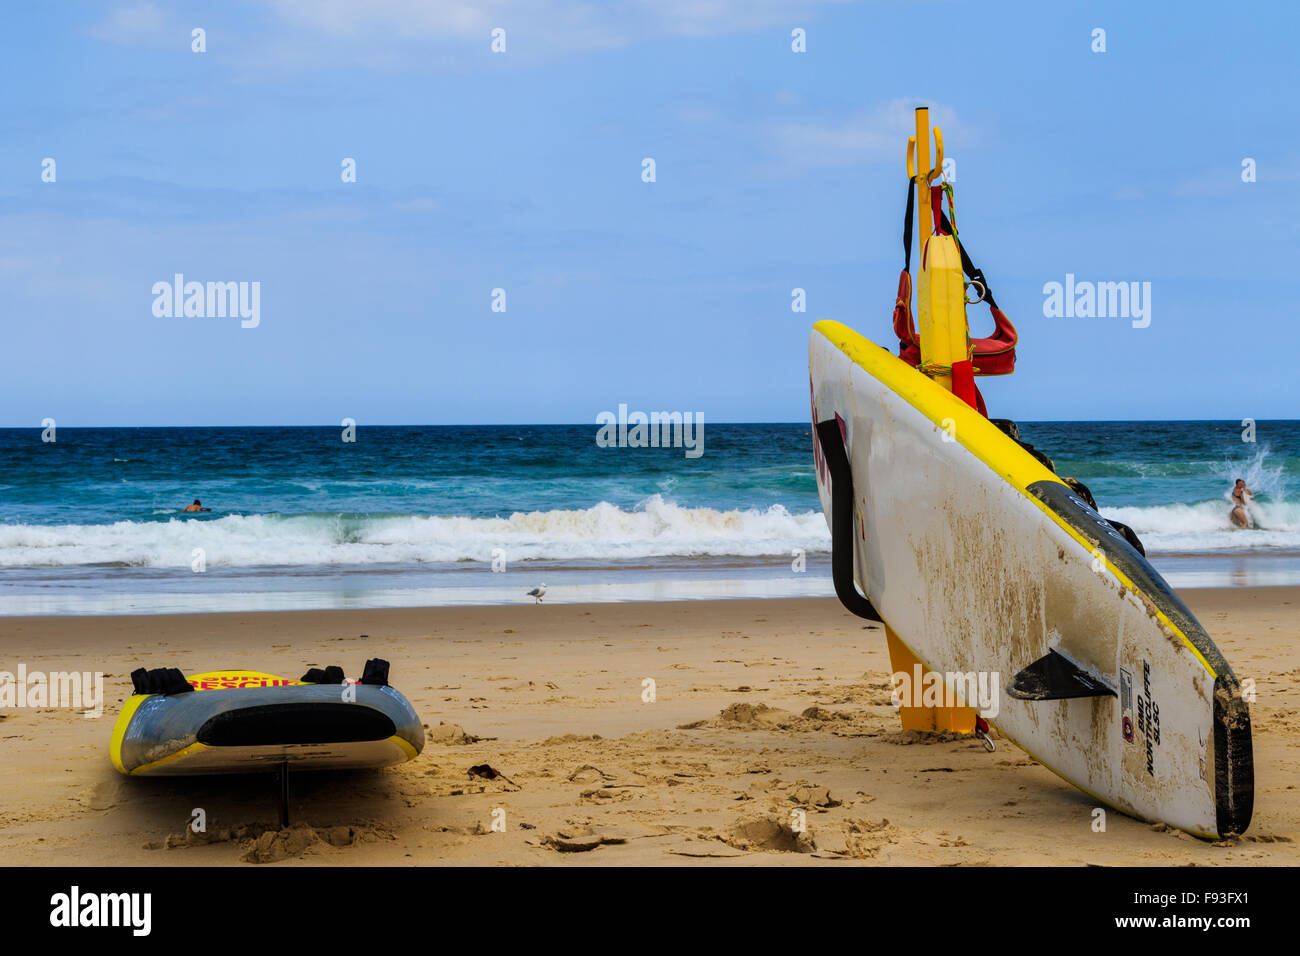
(1055, 677)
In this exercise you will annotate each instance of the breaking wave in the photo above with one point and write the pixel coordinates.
(1206, 527)
(654, 528)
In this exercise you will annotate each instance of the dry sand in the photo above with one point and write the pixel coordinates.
(552, 697)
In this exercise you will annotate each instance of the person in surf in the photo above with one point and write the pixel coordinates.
(1241, 498)
(197, 506)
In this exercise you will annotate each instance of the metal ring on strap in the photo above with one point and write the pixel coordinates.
(983, 291)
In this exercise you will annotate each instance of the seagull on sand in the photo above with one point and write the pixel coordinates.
(538, 593)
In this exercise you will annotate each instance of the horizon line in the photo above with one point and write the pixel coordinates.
(1019, 421)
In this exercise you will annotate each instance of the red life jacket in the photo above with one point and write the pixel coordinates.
(995, 355)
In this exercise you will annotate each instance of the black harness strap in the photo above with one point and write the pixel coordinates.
(907, 227)
(842, 510)
(968, 267)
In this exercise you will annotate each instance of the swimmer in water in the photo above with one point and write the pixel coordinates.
(197, 506)
(1241, 497)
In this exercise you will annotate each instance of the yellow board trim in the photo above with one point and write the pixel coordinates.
(119, 729)
(977, 435)
(183, 752)
(401, 742)
(404, 744)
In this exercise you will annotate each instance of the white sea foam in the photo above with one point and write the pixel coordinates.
(655, 528)
(1206, 527)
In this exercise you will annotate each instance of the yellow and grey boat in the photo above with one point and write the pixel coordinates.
(241, 721)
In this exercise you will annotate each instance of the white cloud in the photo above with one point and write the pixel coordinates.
(609, 23)
(1225, 181)
(422, 35)
(699, 113)
(871, 135)
(718, 17)
(417, 204)
(442, 20)
(142, 24)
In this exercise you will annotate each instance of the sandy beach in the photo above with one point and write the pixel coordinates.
(760, 707)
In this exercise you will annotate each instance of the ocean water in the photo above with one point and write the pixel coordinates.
(92, 523)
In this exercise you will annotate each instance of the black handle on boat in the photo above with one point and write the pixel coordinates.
(837, 460)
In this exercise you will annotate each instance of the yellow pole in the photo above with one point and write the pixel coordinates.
(914, 716)
(938, 344)
(936, 337)
(923, 213)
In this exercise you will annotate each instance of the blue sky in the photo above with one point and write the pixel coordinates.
(522, 171)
